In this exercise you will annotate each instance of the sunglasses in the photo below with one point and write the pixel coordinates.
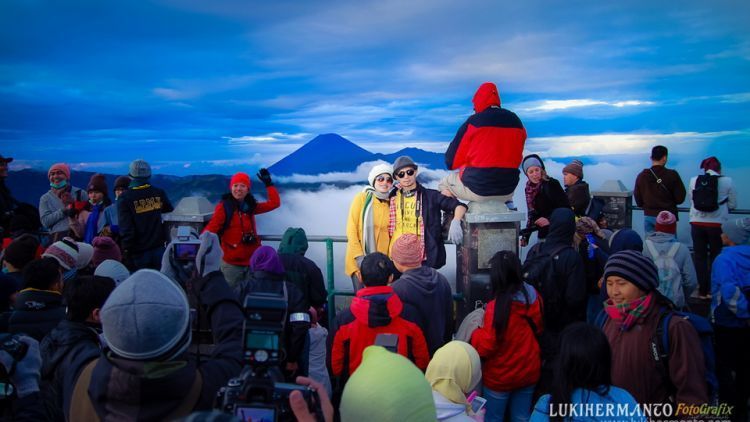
(410, 172)
(381, 179)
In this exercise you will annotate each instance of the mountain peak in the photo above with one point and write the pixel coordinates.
(322, 154)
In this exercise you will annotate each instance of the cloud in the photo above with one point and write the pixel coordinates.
(559, 105)
(358, 176)
(269, 137)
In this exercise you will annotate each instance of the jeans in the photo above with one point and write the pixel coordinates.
(497, 402)
(649, 225)
(706, 247)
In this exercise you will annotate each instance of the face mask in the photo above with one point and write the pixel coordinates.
(59, 185)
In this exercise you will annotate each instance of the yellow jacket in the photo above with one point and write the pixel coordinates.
(355, 245)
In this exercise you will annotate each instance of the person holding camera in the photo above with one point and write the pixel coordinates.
(144, 372)
(234, 222)
(20, 363)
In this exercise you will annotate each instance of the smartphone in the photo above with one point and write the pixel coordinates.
(478, 404)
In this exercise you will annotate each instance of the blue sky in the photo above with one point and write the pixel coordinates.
(214, 86)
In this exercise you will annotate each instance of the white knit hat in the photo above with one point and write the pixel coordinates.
(85, 253)
(378, 170)
(112, 269)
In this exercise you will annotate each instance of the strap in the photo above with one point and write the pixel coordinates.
(673, 250)
(659, 182)
(652, 249)
(81, 408)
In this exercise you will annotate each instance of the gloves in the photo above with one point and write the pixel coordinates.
(70, 212)
(359, 260)
(455, 234)
(26, 375)
(265, 176)
(209, 255)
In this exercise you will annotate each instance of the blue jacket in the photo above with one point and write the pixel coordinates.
(730, 287)
(587, 405)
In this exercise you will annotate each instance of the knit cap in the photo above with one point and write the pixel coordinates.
(59, 166)
(112, 269)
(104, 248)
(97, 183)
(65, 252)
(122, 182)
(531, 160)
(407, 250)
(139, 169)
(377, 171)
(21, 251)
(147, 317)
(85, 253)
(455, 370)
(666, 222)
(403, 161)
(633, 267)
(737, 230)
(240, 178)
(387, 385)
(266, 259)
(575, 168)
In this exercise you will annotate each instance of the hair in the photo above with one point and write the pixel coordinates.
(83, 294)
(506, 280)
(658, 152)
(21, 250)
(376, 269)
(584, 361)
(41, 273)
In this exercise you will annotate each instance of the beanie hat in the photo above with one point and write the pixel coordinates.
(575, 168)
(112, 269)
(21, 251)
(240, 178)
(403, 161)
(104, 248)
(666, 222)
(122, 182)
(531, 160)
(266, 259)
(97, 183)
(454, 371)
(403, 393)
(377, 171)
(59, 166)
(139, 169)
(737, 230)
(407, 250)
(711, 163)
(85, 253)
(65, 252)
(634, 267)
(147, 317)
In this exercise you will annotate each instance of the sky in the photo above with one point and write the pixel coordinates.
(213, 87)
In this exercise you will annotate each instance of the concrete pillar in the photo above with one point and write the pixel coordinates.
(488, 228)
(618, 208)
(193, 211)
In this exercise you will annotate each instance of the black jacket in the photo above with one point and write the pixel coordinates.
(139, 213)
(550, 197)
(36, 313)
(302, 271)
(428, 302)
(433, 202)
(295, 333)
(65, 351)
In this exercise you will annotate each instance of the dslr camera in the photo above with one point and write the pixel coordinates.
(259, 392)
(247, 238)
(186, 246)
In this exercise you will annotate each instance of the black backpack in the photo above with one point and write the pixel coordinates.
(706, 193)
(538, 270)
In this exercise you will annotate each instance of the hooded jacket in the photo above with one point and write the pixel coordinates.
(65, 351)
(375, 310)
(300, 270)
(730, 287)
(662, 243)
(655, 198)
(488, 147)
(36, 312)
(512, 361)
(428, 302)
(139, 212)
(243, 222)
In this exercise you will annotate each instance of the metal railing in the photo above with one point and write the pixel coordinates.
(740, 211)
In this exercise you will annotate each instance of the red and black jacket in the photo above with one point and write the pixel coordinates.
(375, 310)
(488, 147)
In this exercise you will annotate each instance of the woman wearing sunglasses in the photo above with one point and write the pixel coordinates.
(367, 226)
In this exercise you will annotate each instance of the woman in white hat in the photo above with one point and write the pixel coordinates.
(367, 226)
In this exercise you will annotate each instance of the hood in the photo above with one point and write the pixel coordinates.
(58, 343)
(739, 255)
(376, 306)
(128, 390)
(562, 227)
(294, 241)
(36, 300)
(423, 280)
(485, 97)
(661, 237)
(266, 259)
(625, 240)
(447, 409)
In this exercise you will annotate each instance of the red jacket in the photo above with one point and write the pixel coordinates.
(375, 310)
(513, 361)
(236, 252)
(488, 147)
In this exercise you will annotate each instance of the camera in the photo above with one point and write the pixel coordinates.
(247, 238)
(17, 349)
(187, 244)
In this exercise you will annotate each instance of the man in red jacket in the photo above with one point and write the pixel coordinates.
(375, 310)
(486, 151)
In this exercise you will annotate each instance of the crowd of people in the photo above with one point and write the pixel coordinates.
(103, 315)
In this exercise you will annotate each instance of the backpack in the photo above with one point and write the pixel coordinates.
(706, 193)
(670, 276)
(229, 207)
(538, 271)
(660, 345)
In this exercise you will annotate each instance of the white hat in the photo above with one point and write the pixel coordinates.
(112, 269)
(378, 170)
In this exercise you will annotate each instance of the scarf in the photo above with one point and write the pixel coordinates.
(531, 192)
(628, 313)
(92, 223)
(369, 244)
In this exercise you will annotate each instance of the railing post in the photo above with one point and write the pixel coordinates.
(331, 283)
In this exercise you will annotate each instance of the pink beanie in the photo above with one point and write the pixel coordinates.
(407, 251)
(666, 222)
(240, 178)
(105, 248)
(60, 166)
